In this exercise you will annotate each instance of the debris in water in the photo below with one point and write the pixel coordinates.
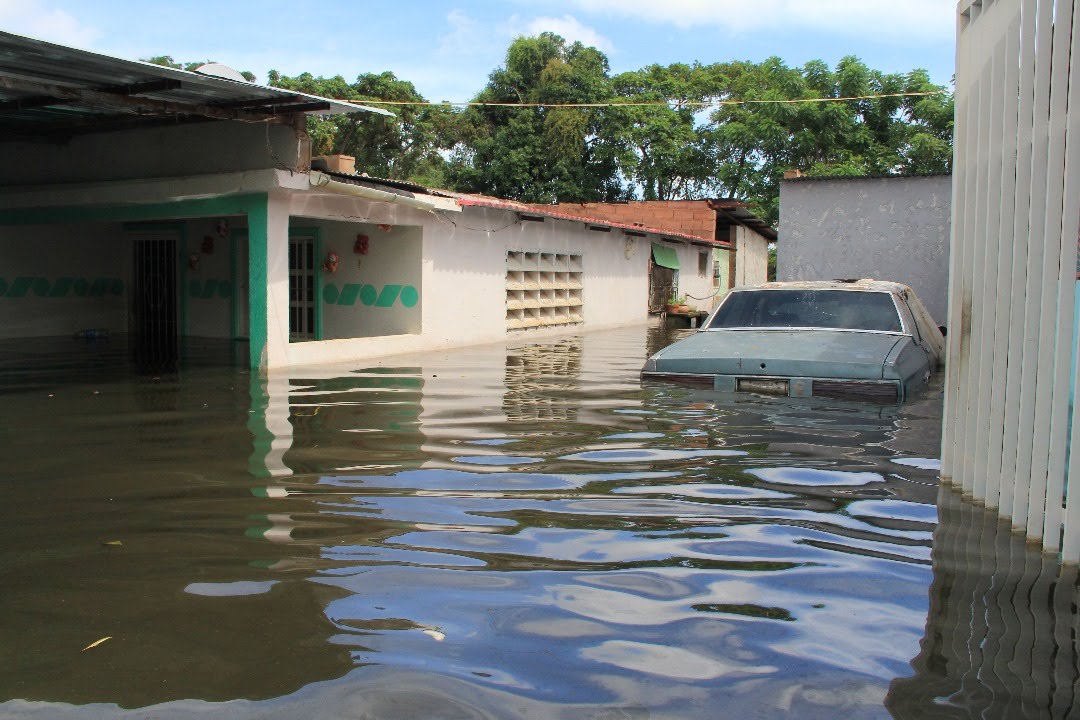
(96, 643)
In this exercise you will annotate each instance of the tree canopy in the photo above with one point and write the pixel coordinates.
(679, 131)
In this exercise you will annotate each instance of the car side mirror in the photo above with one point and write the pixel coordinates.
(944, 330)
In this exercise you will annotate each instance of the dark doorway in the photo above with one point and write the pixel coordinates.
(662, 286)
(154, 335)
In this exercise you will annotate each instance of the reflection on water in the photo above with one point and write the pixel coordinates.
(495, 532)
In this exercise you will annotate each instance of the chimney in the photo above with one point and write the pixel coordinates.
(792, 174)
(335, 163)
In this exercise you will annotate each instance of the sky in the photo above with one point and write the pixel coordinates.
(447, 49)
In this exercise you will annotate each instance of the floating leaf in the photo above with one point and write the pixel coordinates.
(96, 643)
(114, 543)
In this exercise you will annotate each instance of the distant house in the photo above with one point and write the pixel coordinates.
(165, 206)
(887, 228)
(742, 254)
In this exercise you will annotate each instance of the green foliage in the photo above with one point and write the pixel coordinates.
(686, 131)
(404, 147)
(543, 154)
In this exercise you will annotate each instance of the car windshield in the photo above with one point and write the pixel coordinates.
(835, 309)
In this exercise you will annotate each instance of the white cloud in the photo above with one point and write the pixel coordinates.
(34, 18)
(913, 20)
(464, 37)
(571, 29)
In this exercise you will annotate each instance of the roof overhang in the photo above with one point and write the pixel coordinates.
(48, 90)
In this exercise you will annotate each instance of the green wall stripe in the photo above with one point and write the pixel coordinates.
(349, 294)
(388, 295)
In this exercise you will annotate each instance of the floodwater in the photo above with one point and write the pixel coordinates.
(519, 531)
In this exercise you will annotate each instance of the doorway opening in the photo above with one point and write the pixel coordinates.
(154, 332)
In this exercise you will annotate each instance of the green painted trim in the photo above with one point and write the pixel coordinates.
(314, 232)
(234, 299)
(258, 294)
(181, 209)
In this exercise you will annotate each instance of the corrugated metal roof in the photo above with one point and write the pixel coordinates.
(47, 88)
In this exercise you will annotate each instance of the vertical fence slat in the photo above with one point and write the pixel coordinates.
(1036, 228)
(974, 150)
(1051, 231)
(1065, 283)
(986, 309)
(1021, 241)
(1006, 249)
(956, 252)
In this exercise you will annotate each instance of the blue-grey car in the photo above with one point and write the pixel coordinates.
(864, 339)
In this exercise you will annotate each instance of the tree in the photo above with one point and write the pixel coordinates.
(668, 159)
(403, 147)
(543, 154)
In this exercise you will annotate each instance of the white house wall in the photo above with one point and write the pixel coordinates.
(462, 274)
(62, 279)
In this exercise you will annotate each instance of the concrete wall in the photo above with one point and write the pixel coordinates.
(884, 228)
(371, 294)
(751, 257)
(169, 151)
(461, 260)
(66, 278)
(208, 290)
(61, 279)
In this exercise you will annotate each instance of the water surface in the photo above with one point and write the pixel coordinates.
(496, 532)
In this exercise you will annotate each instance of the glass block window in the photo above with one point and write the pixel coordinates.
(542, 290)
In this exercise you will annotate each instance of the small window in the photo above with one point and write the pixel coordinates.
(703, 263)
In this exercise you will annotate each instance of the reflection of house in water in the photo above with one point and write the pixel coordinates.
(1000, 636)
(540, 379)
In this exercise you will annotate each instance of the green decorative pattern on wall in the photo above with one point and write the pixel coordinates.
(26, 286)
(348, 295)
(206, 289)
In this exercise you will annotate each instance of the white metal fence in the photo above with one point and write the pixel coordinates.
(1016, 211)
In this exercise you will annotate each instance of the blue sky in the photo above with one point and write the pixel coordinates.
(447, 49)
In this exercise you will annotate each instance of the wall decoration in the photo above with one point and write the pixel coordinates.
(331, 263)
(193, 261)
(348, 294)
(22, 287)
(207, 246)
(361, 245)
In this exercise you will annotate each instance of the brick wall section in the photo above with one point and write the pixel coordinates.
(692, 217)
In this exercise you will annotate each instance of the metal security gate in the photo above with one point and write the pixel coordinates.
(302, 315)
(154, 335)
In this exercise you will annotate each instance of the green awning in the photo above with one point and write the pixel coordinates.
(665, 256)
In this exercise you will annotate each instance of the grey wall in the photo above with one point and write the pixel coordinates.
(171, 151)
(884, 228)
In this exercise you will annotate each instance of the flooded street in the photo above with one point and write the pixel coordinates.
(497, 532)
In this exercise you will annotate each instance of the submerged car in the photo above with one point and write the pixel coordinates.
(864, 339)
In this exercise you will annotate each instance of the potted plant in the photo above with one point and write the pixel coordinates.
(677, 305)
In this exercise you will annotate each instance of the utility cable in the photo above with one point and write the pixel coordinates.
(656, 103)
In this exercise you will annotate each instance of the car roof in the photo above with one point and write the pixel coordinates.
(865, 284)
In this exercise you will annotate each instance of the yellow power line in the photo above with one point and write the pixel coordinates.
(656, 103)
